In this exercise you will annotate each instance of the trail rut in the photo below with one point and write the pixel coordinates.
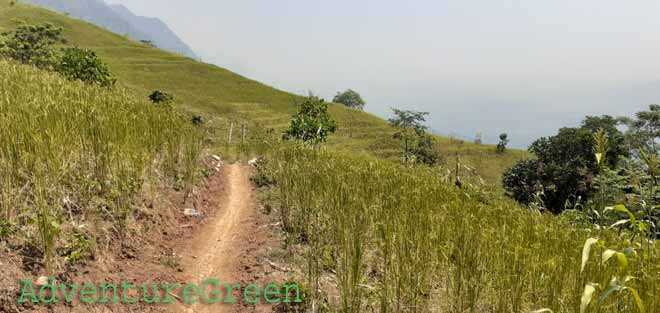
(214, 252)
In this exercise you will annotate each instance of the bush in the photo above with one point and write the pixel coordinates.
(32, 44)
(312, 124)
(523, 180)
(84, 65)
(565, 165)
(504, 140)
(350, 98)
(197, 120)
(6, 228)
(424, 151)
(161, 97)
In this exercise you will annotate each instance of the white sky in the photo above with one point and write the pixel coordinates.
(522, 67)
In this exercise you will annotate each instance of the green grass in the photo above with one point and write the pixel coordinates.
(402, 239)
(222, 96)
(70, 152)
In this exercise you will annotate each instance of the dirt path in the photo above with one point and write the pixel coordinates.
(232, 245)
(213, 254)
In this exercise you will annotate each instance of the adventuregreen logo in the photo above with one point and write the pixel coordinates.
(210, 291)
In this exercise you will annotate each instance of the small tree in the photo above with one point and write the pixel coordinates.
(160, 97)
(504, 140)
(84, 65)
(424, 150)
(644, 129)
(350, 98)
(312, 124)
(409, 126)
(32, 44)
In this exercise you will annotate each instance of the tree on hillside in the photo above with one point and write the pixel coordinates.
(644, 130)
(350, 98)
(161, 98)
(564, 167)
(615, 137)
(84, 65)
(32, 44)
(410, 129)
(424, 150)
(312, 124)
(148, 43)
(504, 140)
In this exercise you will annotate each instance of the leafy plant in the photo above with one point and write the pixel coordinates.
(410, 130)
(84, 65)
(619, 284)
(6, 228)
(32, 44)
(504, 140)
(312, 124)
(565, 166)
(350, 98)
(161, 98)
(79, 248)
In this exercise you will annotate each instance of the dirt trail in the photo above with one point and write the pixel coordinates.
(215, 252)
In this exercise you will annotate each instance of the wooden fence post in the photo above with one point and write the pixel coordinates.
(231, 129)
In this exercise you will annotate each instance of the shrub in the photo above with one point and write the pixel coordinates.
(424, 150)
(350, 98)
(84, 65)
(32, 44)
(504, 140)
(160, 97)
(410, 129)
(312, 124)
(523, 180)
(78, 249)
(197, 120)
(565, 165)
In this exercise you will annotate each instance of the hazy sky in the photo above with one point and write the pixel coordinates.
(521, 67)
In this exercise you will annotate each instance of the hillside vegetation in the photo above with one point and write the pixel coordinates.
(380, 237)
(223, 97)
(72, 153)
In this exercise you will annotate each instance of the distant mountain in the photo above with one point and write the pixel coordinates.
(120, 20)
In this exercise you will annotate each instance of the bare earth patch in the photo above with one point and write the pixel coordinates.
(229, 241)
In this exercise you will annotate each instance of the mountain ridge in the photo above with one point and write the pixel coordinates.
(121, 20)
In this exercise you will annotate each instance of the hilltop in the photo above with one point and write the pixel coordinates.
(222, 96)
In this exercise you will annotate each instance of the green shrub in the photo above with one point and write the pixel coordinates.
(565, 165)
(6, 228)
(32, 44)
(350, 98)
(504, 140)
(312, 124)
(523, 180)
(84, 65)
(160, 97)
(79, 248)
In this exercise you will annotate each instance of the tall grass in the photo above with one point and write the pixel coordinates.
(67, 147)
(405, 239)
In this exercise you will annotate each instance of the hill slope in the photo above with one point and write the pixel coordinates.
(222, 96)
(120, 20)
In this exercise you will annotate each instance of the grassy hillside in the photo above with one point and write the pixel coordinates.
(375, 245)
(223, 96)
(72, 154)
